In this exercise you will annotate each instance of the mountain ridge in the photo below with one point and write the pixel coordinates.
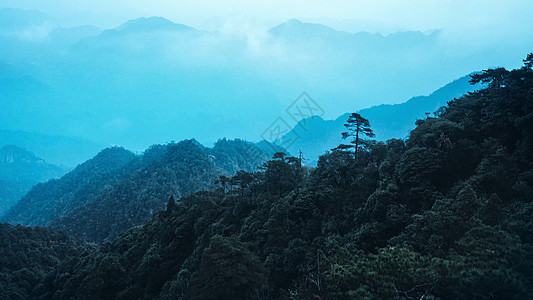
(297, 29)
(317, 136)
(117, 189)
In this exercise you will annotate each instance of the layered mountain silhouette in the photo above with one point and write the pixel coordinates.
(117, 190)
(102, 84)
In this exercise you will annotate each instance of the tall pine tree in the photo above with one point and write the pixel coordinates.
(357, 128)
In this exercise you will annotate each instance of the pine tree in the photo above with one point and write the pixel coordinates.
(357, 128)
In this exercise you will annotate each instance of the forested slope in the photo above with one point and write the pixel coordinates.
(47, 201)
(118, 190)
(28, 254)
(445, 214)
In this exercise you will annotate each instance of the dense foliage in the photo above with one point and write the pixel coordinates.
(27, 255)
(117, 190)
(445, 214)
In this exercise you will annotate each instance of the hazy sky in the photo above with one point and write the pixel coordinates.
(493, 15)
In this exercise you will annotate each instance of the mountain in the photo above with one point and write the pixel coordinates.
(397, 120)
(47, 201)
(117, 190)
(143, 33)
(19, 164)
(270, 148)
(295, 29)
(313, 136)
(300, 32)
(445, 214)
(69, 36)
(227, 82)
(19, 19)
(30, 37)
(19, 171)
(150, 25)
(58, 150)
(34, 26)
(316, 135)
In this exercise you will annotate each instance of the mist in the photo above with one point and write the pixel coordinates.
(118, 76)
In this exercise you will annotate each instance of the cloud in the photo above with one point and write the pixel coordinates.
(39, 33)
(117, 125)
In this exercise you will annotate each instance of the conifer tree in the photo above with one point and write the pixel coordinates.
(357, 128)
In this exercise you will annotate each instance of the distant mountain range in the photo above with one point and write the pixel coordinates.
(117, 190)
(295, 30)
(151, 80)
(316, 135)
(58, 150)
(19, 171)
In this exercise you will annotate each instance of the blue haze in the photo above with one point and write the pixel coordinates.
(151, 80)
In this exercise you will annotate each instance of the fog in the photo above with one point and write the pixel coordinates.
(86, 70)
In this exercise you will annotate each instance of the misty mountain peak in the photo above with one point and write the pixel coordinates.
(151, 24)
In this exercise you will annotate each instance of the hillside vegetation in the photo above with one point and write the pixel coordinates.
(117, 190)
(445, 214)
